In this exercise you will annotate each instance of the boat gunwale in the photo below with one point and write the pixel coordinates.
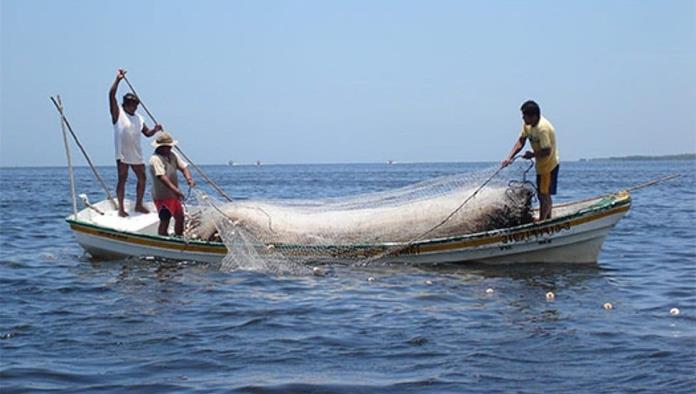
(618, 199)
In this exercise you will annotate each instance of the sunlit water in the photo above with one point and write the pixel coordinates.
(71, 324)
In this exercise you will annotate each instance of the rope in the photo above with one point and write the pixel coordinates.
(199, 170)
(464, 203)
(460, 206)
(445, 220)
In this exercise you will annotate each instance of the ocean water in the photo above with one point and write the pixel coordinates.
(72, 324)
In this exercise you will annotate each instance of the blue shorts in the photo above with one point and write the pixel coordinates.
(546, 183)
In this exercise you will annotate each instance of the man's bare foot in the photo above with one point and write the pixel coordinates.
(122, 213)
(141, 209)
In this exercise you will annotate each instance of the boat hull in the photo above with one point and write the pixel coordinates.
(110, 245)
(562, 242)
(574, 238)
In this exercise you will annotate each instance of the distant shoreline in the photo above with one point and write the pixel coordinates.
(683, 156)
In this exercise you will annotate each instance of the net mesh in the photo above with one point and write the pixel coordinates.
(283, 235)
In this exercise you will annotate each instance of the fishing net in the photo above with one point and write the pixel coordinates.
(283, 235)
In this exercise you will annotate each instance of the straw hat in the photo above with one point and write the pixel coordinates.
(164, 139)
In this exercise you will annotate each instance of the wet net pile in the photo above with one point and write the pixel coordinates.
(358, 228)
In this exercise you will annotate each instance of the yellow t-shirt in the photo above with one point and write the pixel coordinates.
(542, 136)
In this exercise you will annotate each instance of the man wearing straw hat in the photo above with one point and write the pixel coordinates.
(165, 183)
(128, 125)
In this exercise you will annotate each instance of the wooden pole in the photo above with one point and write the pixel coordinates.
(652, 182)
(199, 170)
(84, 152)
(67, 154)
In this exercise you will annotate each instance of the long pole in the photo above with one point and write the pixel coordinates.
(199, 170)
(84, 152)
(70, 168)
(652, 182)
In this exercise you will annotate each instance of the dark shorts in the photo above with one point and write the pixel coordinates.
(546, 183)
(169, 207)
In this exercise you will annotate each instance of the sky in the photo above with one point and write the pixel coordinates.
(350, 81)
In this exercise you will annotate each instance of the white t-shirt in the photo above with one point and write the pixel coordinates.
(127, 132)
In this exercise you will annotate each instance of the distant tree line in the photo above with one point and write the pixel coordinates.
(683, 156)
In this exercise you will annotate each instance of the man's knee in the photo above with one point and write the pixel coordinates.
(140, 173)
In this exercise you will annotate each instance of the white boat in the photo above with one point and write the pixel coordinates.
(575, 234)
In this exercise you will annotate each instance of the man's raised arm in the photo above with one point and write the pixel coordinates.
(113, 104)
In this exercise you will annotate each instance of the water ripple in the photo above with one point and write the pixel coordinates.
(72, 324)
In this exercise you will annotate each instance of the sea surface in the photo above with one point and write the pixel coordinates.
(72, 324)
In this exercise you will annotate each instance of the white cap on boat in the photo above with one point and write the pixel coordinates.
(317, 271)
(608, 306)
(550, 296)
(674, 312)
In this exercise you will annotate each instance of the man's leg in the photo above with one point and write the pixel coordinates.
(179, 223)
(545, 206)
(178, 214)
(543, 185)
(546, 187)
(163, 226)
(139, 170)
(164, 216)
(122, 170)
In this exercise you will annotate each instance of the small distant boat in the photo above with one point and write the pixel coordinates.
(575, 234)
(231, 163)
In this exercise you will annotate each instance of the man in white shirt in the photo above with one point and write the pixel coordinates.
(128, 125)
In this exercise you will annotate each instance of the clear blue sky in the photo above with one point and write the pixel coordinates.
(352, 81)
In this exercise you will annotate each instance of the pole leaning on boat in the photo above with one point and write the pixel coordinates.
(64, 119)
(71, 175)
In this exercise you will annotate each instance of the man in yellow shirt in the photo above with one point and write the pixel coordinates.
(542, 137)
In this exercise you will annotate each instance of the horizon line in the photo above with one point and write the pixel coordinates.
(387, 162)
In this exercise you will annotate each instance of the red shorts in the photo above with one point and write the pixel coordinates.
(169, 207)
